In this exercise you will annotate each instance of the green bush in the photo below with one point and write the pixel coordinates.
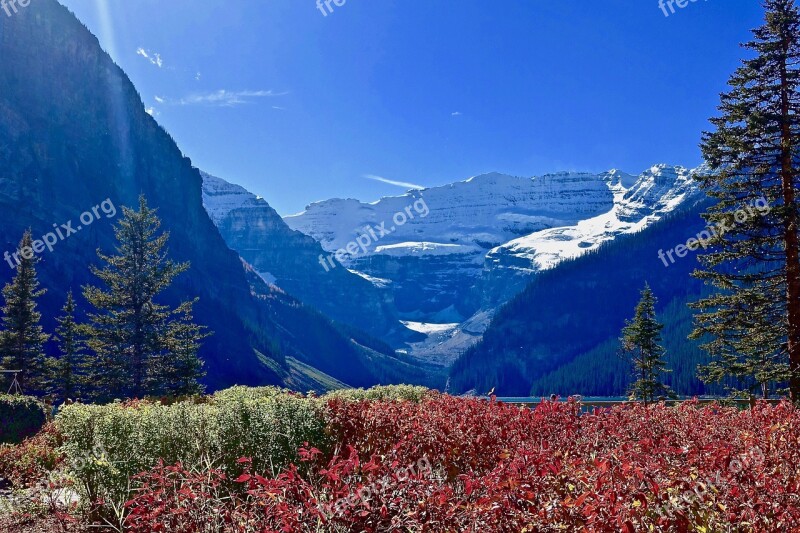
(106, 445)
(20, 417)
(381, 394)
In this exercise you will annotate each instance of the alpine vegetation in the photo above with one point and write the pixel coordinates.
(641, 343)
(142, 347)
(131, 346)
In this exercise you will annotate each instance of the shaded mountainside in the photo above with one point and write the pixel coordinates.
(339, 351)
(291, 260)
(560, 334)
(74, 132)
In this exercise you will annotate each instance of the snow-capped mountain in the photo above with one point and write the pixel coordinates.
(480, 240)
(638, 201)
(470, 216)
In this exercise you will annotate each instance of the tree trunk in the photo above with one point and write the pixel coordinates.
(791, 238)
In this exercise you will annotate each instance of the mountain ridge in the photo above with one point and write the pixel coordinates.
(487, 237)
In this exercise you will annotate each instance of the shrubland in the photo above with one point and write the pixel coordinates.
(406, 459)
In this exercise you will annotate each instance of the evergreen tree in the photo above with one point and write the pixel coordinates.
(641, 344)
(138, 343)
(751, 324)
(22, 338)
(181, 370)
(67, 372)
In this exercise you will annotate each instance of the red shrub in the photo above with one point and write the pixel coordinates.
(30, 461)
(484, 466)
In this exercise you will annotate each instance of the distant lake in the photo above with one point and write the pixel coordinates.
(523, 399)
(583, 398)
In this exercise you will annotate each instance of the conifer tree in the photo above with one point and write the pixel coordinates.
(641, 344)
(22, 339)
(181, 370)
(134, 338)
(67, 372)
(750, 325)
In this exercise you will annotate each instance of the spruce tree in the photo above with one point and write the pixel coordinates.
(22, 339)
(67, 372)
(641, 344)
(181, 369)
(750, 325)
(135, 339)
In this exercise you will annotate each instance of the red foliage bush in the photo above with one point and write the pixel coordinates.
(30, 461)
(449, 464)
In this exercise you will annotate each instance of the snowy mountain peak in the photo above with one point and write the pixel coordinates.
(659, 189)
(492, 209)
(617, 178)
(221, 197)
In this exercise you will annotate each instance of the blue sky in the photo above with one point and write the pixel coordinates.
(297, 106)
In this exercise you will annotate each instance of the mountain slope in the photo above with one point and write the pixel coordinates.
(291, 260)
(308, 339)
(574, 313)
(74, 133)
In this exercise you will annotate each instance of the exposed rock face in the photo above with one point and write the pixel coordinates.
(291, 260)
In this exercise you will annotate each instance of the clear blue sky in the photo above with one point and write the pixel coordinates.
(297, 106)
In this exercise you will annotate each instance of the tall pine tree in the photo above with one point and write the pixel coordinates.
(137, 341)
(641, 344)
(22, 339)
(67, 372)
(751, 324)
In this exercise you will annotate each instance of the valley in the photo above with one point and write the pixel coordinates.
(444, 275)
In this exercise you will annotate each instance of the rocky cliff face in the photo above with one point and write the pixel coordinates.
(290, 260)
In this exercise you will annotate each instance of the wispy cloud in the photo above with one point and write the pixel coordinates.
(152, 57)
(225, 98)
(403, 184)
(456, 114)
